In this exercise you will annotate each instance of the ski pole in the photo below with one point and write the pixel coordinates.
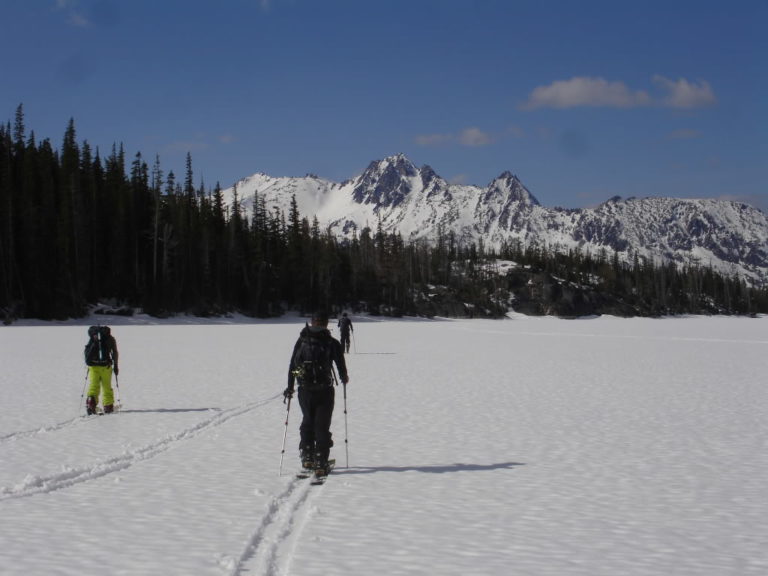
(117, 387)
(346, 430)
(82, 394)
(285, 435)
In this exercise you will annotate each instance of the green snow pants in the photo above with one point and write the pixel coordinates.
(101, 378)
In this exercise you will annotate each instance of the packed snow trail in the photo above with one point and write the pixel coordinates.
(270, 549)
(41, 484)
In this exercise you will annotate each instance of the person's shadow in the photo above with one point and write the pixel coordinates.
(445, 469)
(159, 410)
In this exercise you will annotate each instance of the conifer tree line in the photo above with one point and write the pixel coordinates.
(78, 228)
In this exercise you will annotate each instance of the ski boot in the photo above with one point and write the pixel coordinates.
(322, 468)
(90, 405)
(109, 408)
(307, 459)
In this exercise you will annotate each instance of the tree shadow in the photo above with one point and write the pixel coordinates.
(173, 410)
(448, 468)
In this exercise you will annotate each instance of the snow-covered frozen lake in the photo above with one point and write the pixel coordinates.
(528, 446)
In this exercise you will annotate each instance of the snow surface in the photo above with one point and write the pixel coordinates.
(530, 446)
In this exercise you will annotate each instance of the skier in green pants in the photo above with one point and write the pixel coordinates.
(101, 357)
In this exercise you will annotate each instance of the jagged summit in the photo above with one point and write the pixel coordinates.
(510, 186)
(386, 182)
(417, 203)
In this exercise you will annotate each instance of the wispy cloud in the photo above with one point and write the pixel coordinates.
(681, 93)
(584, 91)
(196, 144)
(596, 92)
(460, 179)
(75, 16)
(474, 138)
(471, 137)
(79, 20)
(428, 140)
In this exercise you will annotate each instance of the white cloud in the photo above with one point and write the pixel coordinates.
(460, 179)
(75, 15)
(78, 20)
(584, 91)
(474, 137)
(684, 94)
(471, 137)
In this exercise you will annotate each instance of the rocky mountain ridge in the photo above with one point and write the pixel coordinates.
(730, 237)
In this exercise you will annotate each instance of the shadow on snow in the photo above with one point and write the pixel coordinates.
(458, 467)
(159, 410)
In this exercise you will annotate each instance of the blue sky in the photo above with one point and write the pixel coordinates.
(582, 100)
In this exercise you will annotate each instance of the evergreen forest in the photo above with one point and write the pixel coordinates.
(83, 232)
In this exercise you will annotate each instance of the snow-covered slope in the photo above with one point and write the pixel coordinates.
(532, 446)
(416, 202)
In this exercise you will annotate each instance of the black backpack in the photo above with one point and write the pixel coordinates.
(98, 350)
(312, 362)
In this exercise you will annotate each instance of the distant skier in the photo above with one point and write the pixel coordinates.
(311, 366)
(345, 325)
(101, 358)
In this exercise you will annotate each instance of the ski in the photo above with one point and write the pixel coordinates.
(100, 412)
(310, 473)
(320, 480)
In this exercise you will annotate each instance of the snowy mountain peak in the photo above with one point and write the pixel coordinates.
(417, 202)
(509, 186)
(386, 183)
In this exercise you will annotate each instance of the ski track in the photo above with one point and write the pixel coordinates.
(32, 485)
(270, 549)
(44, 430)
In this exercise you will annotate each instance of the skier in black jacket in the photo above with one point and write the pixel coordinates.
(311, 366)
(345, 326)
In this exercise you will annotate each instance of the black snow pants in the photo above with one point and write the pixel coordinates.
(345, 341)
(315, 430)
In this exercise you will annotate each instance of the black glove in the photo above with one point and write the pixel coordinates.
(117, 370)
(287, 394)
